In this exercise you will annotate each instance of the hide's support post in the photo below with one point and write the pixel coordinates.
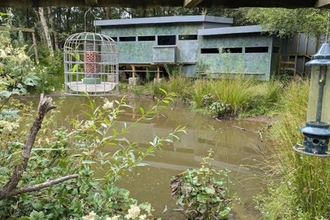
(133, 71)
(157, 79)
(133, 80)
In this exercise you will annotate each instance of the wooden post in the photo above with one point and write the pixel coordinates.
(133, 71)
(158, 73)
(35, 47)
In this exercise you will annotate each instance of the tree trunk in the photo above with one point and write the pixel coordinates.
(52, 27)
(68, 19)
(46, 31)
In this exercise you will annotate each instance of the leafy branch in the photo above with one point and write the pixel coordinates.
(10, 188)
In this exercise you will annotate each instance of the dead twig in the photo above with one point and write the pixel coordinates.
(10, 188)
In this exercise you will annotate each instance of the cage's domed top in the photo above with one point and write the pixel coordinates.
(90, 41)
(89, 36)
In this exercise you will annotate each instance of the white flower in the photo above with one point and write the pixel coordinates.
(8, 50)
(8, 127)
(22, 56)
(143, 217)
(133, 212)
(87, 125)
(107, 105)
(90, 216)
(3, 54)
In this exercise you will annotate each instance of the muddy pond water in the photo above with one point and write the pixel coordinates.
(237, 145)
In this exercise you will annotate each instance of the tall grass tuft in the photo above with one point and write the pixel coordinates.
(236, 92)
(177, 84)
(266, 97)
(200, 89)
(300, 184)
(245, 96)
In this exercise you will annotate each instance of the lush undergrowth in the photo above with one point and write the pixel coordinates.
(299, 184)
(223, 97)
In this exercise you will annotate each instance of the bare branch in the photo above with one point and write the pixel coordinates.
(40, 186)
(45, 105)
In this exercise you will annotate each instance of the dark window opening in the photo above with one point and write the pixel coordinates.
(166, 40)
(256, 50)
(188, 37)
(232, 50)
(276, 49)
(209, 50)
(127, 38)
(114, 38)
(146, 38)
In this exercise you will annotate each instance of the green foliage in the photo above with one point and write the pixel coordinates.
(237, 92)
(220, 108)
(80, 149)
(202, 93)
(203, 193)
(17, 76)
(177, 84)
(17, 72)
(51, 74)
(266, 98)
(299, 183)
(286, 22)
(238, 96)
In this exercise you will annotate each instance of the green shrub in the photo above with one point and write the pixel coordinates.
(220, 108)
(203, 193)
(79, 149)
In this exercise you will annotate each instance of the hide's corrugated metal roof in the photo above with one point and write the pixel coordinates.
(164, 20)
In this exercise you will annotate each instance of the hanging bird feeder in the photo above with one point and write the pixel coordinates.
(316, 132)
(91, 64)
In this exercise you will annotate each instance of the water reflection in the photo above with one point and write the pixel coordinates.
(237, 145)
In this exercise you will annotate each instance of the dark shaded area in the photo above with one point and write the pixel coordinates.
(154, 3)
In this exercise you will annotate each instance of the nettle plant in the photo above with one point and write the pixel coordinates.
(57, 173)
(203, 193)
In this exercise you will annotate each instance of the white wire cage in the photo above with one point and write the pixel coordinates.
(90, 65)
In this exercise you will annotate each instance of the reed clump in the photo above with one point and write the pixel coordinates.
(245, 96)
(299, 186)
